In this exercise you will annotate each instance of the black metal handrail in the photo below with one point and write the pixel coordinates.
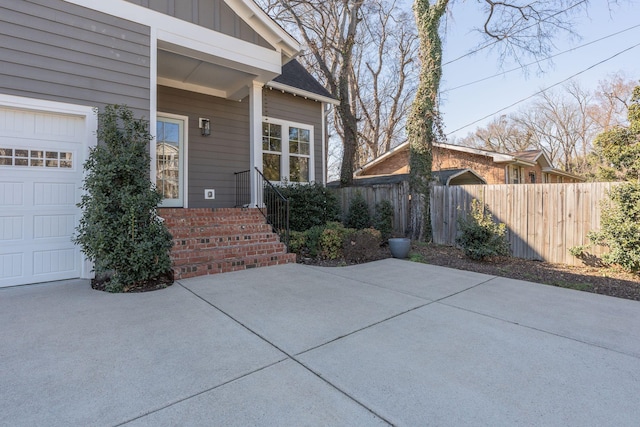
(274, 206)
(243, 189)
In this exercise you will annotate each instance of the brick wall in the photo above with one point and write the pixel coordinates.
(484, 166)
(393, 165)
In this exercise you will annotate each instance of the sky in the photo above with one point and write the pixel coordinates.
(463, 106)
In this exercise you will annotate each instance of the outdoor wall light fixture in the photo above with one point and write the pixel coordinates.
(205, 126)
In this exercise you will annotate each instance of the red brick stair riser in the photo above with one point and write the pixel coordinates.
(211, 241)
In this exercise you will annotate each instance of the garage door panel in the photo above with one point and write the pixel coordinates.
(54, 193)
(55, 260)
(11, 194)
(54, 226)
(24, 124)
(11, 228)
(40, 180)
(11, 266)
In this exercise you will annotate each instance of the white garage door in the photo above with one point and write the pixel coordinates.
(40, 180)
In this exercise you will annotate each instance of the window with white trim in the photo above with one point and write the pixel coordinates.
(287, 151)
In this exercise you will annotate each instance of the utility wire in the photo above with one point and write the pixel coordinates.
(523, 29)
(545, 89)
(539, 61)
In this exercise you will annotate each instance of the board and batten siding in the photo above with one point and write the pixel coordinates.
(212, 160)
(285, 106)
(215, 15)
(58, 51)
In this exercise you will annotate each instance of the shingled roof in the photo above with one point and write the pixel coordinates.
(296, 76)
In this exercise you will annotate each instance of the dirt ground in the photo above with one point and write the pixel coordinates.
(605, 281)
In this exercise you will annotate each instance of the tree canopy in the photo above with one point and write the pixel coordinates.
(620, 146)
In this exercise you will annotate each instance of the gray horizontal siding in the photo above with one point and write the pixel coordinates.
(284, 106)
(215, 15)
(212, 160)
(54, 50)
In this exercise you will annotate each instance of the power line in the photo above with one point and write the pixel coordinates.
(540, 60)
(545, 89)
(523, 29)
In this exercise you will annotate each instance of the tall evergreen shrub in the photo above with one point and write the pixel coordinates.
(119, 230)
(358, 216)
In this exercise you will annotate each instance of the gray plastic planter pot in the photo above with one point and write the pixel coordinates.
(400, 247)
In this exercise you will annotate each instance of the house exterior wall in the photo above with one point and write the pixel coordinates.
(393, 165)
(284, 106)
(54, 50)
(212, 160)
(484, 166)
(212, 14)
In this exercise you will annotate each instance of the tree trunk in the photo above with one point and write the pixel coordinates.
(422, 127)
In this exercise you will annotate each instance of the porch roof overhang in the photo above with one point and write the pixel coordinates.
(199, 59)
(213, 70)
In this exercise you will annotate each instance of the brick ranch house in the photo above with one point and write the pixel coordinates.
(218, 83)
(525, 167)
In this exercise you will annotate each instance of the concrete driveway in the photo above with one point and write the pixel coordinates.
(390, 342)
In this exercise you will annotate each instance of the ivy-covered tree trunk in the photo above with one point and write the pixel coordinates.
(422, 126)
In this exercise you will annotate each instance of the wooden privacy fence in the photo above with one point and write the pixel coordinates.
(396, 191)
(543, 220)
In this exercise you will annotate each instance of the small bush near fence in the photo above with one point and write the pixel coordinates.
(620, 228)
(358, 216)
(383, 219)
(480, 237)
(310, 205)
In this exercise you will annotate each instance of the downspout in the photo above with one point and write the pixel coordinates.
(326, 109)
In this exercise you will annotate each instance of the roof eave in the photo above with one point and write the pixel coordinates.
(300, 92)
(264, 25)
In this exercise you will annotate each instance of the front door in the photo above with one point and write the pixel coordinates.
(170, 159)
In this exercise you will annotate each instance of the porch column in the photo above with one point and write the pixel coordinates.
(255, 137)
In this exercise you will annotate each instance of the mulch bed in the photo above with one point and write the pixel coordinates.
(154, 284)
(609, 281)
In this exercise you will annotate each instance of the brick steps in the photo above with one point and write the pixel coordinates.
(209, 241)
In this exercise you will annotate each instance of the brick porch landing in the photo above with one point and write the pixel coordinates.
(210, 241)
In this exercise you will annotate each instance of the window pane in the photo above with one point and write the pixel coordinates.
(271, 166)
(52, 163)
(275, 131)
(22, 153)
(293, 147)
(21, 162)
(299, 169)
(168, 159)
(36, 162)
(293, 134)
(305, 135)
(265, 143)
(275, 145)
(304, 148)
(37, 154)
(5, 161)
(52, 155)
(6, 152)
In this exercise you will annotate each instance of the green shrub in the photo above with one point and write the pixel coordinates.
(479, 236)
(331, 240)
(620, 227)
(119, 229)
(310, 205)
(383, 219)
(361, 245)
(358, 216)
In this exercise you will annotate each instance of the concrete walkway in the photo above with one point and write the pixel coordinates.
(390, 342)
